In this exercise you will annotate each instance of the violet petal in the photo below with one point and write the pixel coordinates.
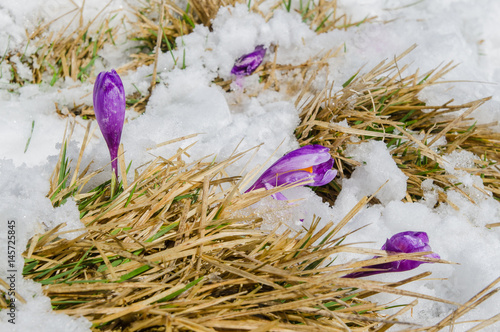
(109, 109)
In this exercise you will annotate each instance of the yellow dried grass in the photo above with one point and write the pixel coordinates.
(384, 105)
(163, 254)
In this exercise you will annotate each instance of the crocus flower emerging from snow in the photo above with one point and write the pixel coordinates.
(109, 108)
(246, 64)
(309, 165)
(407, 242)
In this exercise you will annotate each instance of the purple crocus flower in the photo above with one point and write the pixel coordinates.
(404, 242)
(109, 108)
(309, 165)
(246, 64)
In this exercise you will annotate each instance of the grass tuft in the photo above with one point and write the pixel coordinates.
(383, 105)
(168, 251)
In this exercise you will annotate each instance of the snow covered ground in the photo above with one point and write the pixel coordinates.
(186, 102)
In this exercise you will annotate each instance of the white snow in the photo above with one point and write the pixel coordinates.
(377, 168)
(186, 102)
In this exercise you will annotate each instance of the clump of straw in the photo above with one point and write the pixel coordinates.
(167, 251)
(383, 105)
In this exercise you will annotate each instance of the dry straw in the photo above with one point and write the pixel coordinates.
(166, 253)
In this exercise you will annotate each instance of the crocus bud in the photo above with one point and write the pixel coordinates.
(246, 64)
(109, 108)
(404, 242)
(309, 165)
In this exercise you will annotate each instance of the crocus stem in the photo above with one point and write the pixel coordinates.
(114, 184)
(114, 171)
(114, 163)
